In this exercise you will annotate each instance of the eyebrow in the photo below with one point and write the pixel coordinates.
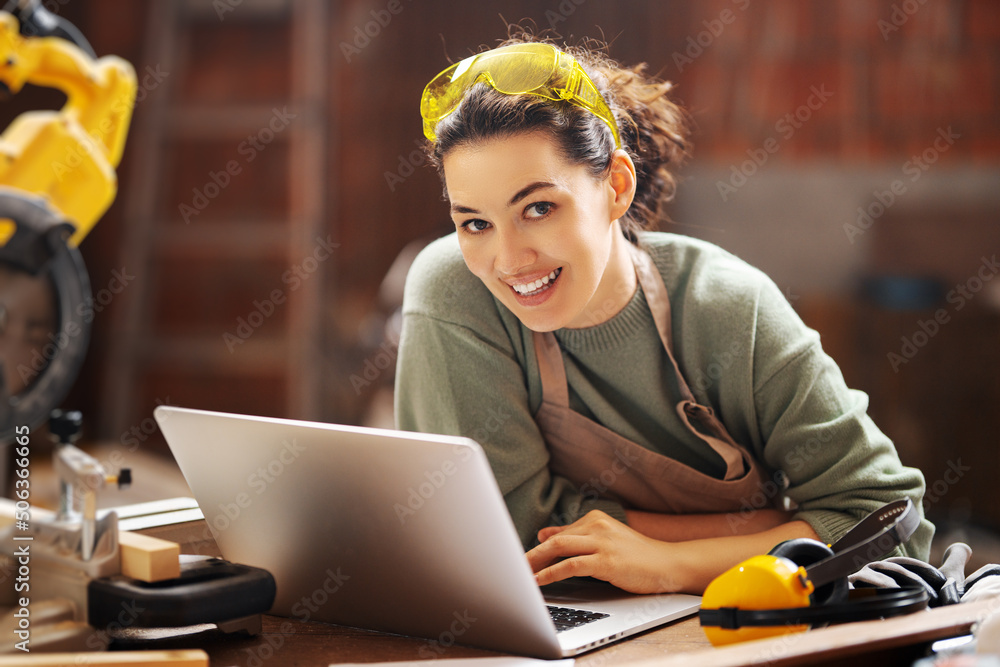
(521, 194)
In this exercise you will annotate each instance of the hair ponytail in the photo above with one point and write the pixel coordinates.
(654, 132)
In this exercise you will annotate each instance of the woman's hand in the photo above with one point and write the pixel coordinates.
(601, 547)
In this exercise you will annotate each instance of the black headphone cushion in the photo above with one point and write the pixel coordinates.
(804, 551)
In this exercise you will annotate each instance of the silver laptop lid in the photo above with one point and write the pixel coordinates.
(386, 530)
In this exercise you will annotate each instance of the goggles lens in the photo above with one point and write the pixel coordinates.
(518, 69)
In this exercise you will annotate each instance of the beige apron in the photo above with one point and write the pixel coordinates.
(597, 459)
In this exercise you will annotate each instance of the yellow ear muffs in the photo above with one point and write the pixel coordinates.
(803, 583)
(760, 583)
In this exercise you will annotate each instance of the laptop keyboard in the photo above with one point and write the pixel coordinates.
(567, 618)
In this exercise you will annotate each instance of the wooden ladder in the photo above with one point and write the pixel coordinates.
(224, 220)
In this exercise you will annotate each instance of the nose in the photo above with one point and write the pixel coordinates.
(513, 252)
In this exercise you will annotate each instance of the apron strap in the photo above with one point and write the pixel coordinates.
(555, 389)
(712, 432)
(659, 305)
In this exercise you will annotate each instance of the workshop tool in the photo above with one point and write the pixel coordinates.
(78, 581)
(88, 582)
(57, 179)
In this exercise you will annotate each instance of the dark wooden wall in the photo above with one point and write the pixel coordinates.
(901, 69)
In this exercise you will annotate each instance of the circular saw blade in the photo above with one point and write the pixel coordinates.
(44, 323)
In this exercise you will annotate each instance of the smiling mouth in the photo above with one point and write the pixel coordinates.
(538, 286)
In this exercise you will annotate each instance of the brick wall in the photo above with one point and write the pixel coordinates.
(741, 67)
(896, 71)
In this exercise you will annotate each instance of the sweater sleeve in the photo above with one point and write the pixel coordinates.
(461, 371)
(839, 465)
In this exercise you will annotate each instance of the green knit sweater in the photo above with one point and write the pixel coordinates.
(467, 366)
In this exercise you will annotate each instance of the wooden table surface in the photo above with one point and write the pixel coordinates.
(299, 643)
(295, 643)
(884, 643)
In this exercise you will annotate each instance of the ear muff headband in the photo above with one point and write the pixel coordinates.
(877, 534)
(770, 595)
(806, 552)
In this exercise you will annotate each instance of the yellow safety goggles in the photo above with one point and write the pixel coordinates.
(518, 69)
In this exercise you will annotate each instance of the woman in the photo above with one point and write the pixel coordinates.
(615, 375)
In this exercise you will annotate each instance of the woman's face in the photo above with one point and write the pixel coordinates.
(541, 232)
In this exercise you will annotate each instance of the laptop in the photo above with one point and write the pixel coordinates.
(392, 531)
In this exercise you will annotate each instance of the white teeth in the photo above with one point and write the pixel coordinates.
(529, 288)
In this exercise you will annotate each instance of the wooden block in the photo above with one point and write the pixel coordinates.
(180, 658)
(149, 558)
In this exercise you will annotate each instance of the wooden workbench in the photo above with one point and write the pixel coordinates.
(292, 642)
(304, 644)
(886, 643)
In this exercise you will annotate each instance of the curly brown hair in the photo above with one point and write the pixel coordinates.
(654, 130)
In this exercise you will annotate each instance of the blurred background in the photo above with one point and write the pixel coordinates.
(273, 189)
